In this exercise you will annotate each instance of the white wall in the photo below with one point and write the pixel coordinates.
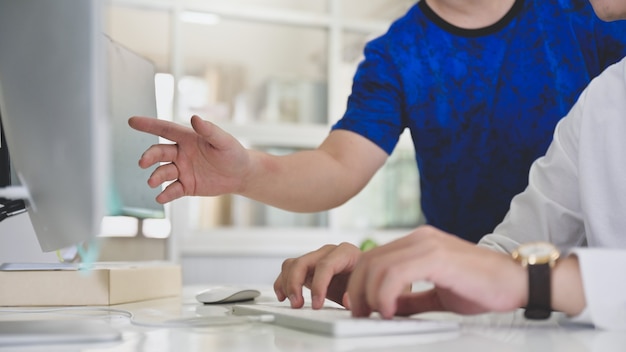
(230, 269)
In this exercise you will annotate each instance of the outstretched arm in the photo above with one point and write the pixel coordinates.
(205, 161)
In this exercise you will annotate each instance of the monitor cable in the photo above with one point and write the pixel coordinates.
(184, 322)
(11, 207)
(12, 201)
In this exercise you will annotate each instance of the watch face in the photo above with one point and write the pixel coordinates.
(538, 252)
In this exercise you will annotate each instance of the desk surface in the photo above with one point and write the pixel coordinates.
(489, 332)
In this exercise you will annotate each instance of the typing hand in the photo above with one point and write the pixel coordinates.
(202, 161)
(468, 279)
(325, 272)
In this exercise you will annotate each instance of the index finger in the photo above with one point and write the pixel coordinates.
(340, 260)
(166, 129)
(294, 275)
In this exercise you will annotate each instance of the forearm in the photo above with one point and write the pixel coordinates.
(314, 180)
(567, 288)
(306, 181)
(567, 294)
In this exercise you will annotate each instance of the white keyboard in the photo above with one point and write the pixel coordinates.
(338, 322)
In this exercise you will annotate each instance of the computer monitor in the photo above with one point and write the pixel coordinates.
(53, 101)
(5, 166)
(66, 92)
(131, 92)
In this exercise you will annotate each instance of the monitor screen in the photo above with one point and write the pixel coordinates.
(131, 92)
(66, 92)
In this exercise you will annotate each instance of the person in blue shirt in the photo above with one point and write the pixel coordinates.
(480, 85)
(560, 248)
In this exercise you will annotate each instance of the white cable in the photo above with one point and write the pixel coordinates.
(208, 321)
(14, 192)
(174, 323)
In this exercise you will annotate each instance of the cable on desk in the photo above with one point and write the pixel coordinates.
(174, 323)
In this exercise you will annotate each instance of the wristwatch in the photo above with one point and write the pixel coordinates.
(539, 258)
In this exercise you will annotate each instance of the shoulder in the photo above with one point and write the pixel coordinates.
(609, 87)
(384, 54)
(403, 30)
(604, 97)
(597, 118)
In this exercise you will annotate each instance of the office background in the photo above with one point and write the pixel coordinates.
(276, 74)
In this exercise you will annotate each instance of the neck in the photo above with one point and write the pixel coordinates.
(470, 14)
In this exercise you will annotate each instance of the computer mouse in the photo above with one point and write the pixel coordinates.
(226, 294)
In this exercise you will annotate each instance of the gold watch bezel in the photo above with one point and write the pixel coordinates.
(536, 253)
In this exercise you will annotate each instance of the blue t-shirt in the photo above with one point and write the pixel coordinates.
(481, 105)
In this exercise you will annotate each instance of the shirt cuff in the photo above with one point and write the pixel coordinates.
(604, 285)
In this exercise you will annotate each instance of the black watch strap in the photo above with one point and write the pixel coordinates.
(539, 292)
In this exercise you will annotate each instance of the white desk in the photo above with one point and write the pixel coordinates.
(490, 332)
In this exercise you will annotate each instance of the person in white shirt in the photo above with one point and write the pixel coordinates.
(575, 199)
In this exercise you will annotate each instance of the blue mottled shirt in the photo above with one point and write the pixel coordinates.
(481, 104)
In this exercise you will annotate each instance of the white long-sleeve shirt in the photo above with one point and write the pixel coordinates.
(576, 197)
